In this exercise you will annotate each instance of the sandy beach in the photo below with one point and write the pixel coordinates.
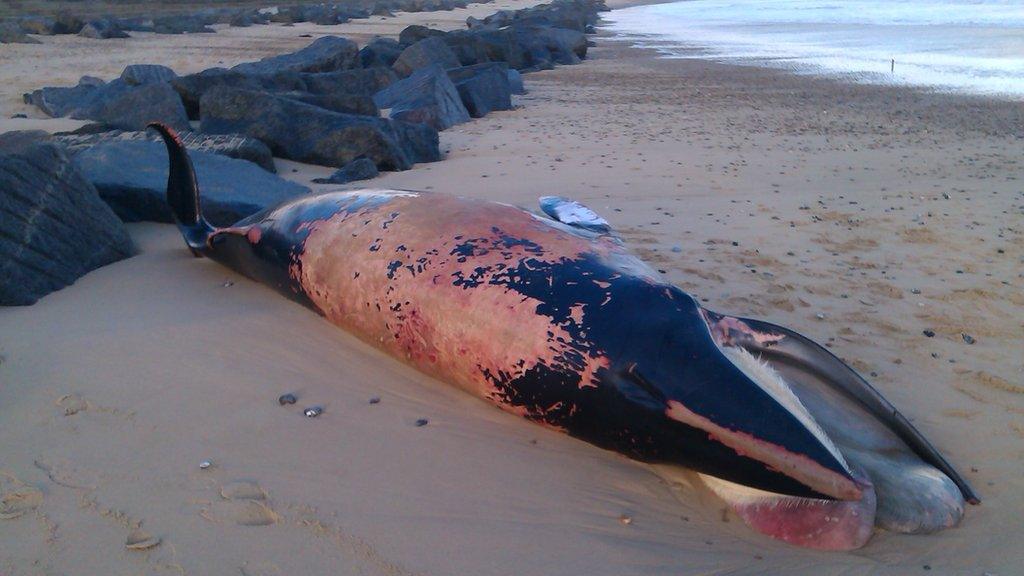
(861, 216)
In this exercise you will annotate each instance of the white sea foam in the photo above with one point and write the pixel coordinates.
(972, 46)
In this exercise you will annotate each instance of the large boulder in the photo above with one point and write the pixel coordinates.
(121, 105)
(67, 23)
(116, 104)
(101, 29)
(57, 101)
(424, 53)
(181, 24)
(427, 97)
(41, 25)
(515, 82)
(12, 33)
(543, 46)
(358, 169)
(308, 133)
(131, 176)
(483, 87)
(501, 46)
(337, 102)
(380, 52)
(192, 87)
(363, 82)
(323, 55)
(136, 74)
(468, 47)
(230, 145)
(413, 34)
(55, 226)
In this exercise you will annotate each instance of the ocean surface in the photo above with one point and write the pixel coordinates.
(961, 45)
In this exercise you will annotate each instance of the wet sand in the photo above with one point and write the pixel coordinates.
(861, 216)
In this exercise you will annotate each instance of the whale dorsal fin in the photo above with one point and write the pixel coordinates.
(573, 213)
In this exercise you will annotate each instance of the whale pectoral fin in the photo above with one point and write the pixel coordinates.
(795, 352)
(573, 213)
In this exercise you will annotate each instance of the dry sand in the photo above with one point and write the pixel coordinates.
(860, 216)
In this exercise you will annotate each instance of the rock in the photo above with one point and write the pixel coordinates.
(358, 169)
(137, 24)
(468, 47)
(307, 133)
(40, 25)
(241, 19)
(181, 24)
(419, 141)
(131, 176)
(55, 227)
(67, 23)
(192, 87)
(364, 82)
(544, 46)
(427, 96)
(61, 101)
(424, 53)
(380, 52)
(120, 105)
(337, 102)
(230, 145)
(101, 29)
(483, 87)
(515, 81)
(382, 10)
(136, 74)
(413, 34)
(502, 46)
(11, 33)
(325, 54)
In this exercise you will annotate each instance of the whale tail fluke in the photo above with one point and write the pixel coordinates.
(183, 192)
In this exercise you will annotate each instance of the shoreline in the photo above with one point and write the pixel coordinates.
(859, 215)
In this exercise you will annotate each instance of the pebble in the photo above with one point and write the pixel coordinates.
(205, 464)
(929, 333)
(228, 284)
(375, 400)
(313, 411)
(422, 422)
(967, 338)
(286, 399)
(819, 316)
(915, 291)
(677, 249)
(627, 520)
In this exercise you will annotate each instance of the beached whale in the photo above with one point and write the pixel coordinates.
(551, 318)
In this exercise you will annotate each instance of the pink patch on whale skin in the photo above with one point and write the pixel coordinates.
(834, 525)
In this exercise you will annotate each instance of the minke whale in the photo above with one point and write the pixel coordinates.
(548, 316)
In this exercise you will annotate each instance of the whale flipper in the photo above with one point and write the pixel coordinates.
(573, 213)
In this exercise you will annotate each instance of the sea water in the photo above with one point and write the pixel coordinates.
(963, 45)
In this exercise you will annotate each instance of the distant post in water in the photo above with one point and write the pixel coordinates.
(892, 67)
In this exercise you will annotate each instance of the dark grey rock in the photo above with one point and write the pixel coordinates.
(192, 87)
(381, 9)
(120, 105)
(364, 82)
(325, 54)
(380, 52)
(17, 140)
(54, 227)
(181, 24)
(424, 53)
(307, 133)
(502, 46)
(413, 34)
(131, 176)
(60, 101)
(427, 96)
(358, 169)
(40, 25)
(468, 47)
(101, 29)
(483, 88)
(419, 141)
(515, 81)
(11, 33)
(337, 102)
(67, 23)
(230, 145)
(135, 74)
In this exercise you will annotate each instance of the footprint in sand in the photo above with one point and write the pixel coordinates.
(243, 504)
(17, 498)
